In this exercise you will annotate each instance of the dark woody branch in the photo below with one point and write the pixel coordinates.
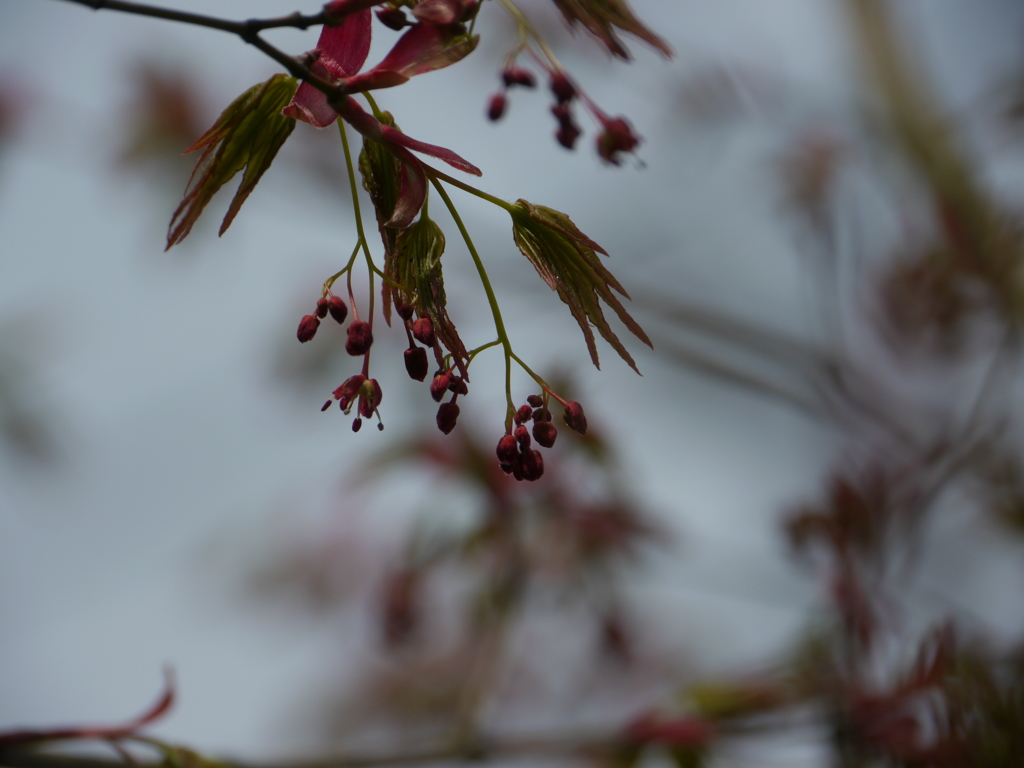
(249, 31)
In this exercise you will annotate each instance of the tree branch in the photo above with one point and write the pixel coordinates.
(246, 30)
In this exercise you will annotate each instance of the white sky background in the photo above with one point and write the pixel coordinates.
(179, 449)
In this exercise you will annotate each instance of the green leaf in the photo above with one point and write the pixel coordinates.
(418, 266)
(381, 172)
(567, 260)
(246, 137)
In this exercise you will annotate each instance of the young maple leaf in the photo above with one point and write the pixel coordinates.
(418, 267)
(246, 136)
(567, 260)
(342, 50)
(602, 17)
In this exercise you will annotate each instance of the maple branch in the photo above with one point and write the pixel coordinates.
(246, 30)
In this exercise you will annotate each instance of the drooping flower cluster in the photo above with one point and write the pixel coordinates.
(434, 35)
(516, 456)
(616, 134)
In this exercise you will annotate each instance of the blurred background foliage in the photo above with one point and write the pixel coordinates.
(795, 540)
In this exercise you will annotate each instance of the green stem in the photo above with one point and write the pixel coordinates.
(499, 324)
(529, 370)
(355, 207)
(435, 174)
(329, 282)
(525, 23)
(474, 352)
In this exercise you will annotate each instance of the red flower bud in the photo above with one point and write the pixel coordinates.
(458, 385)
(522, 435)
(307, 327)
(535, 400)
(439, 385)
(496, 107)
(562, 113)
(518, 76)
(404, 310)
(423, 331)
(616, 137)
(542, 414)
(337, 309)
(574, 417)
(524, 414)
(508, 469)
(447, 415)
(562, 87)
(508, 450)
(531, 464)
(321, 307)
(393, 18)
(416, 363)
(360, 337)
(544, 433)
(567, 134)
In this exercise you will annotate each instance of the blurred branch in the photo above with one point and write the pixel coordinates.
(552, 746)
(971, 218)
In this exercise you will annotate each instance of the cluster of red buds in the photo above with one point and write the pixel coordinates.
(360, 339)
(516, 457)
(511, 76)
(309, 323)
(445, 381)
(616, 133)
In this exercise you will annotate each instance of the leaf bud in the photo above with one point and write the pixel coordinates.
(360, 338)
(507, 450)
(531, 464)
(496, 107)
(439, 385)
(522, 436)
(416, 363)
(574, 417)
(307, 327)
(393, 18)
(447, 415)
(423, 331)
(544, 433)
(338, 309)
(321, 308)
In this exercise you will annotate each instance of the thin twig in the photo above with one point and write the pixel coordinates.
(246, 30)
